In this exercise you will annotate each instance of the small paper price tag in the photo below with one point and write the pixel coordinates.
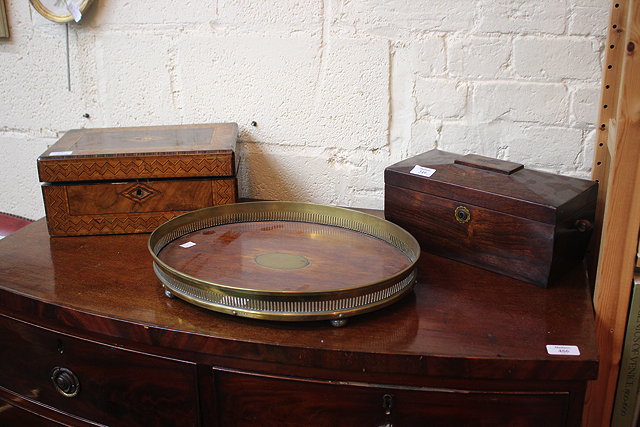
(563, 350)
(187, 245)
(422, 171)
(74, 10)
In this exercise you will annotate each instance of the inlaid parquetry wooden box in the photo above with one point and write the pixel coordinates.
(131, 180)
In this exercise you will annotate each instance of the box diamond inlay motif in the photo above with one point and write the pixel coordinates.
(139, 192)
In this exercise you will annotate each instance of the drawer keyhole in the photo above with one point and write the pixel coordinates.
(65, 381)
(387, 403)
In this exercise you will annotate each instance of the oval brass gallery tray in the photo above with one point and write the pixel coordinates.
(284, 260)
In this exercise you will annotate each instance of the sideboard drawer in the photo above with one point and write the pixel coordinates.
(96, 382)
(11, 415)
(249, 399)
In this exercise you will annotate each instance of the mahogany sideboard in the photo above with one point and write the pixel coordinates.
(87, 336)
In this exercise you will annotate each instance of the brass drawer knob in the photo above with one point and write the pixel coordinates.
(65, 381)
(583, 225)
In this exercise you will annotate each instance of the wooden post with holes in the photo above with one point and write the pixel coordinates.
(617, 168)
(609, 97)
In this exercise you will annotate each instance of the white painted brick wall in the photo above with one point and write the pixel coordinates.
(339, 89)
(583, 99)
(556, 58)
(428, 56)
(479, 57)
(587, 20)
(138, 90)
(516, 101)
(442, 98)
(19, 175)
(121, 13)
(522, 16)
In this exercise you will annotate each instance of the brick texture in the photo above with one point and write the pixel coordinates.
(339, 89)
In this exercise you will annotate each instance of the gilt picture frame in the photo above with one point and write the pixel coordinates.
(60, 11)
(4, 26)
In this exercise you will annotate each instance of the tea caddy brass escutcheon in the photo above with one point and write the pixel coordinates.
(462, 214)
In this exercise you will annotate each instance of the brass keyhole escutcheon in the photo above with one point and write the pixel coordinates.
(462, 214)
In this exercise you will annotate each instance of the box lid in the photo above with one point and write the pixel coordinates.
(141, 153)
(493, 184)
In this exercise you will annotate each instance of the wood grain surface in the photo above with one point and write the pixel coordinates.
(461, 322)
(115, 386)
(467, 345)
(523, 224)
(129, 207)
(621, 208)
(141, 153)
(330, 258)
(133, 179)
